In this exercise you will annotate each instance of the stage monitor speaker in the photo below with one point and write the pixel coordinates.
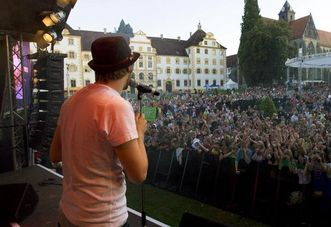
(17, 201)
(192, 220)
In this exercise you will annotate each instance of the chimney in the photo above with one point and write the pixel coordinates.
(79, 28)
(161, 36)
(105, 30)
(178, 38)
(190, 34)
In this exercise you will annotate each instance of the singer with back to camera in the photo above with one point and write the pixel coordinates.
(100, 140)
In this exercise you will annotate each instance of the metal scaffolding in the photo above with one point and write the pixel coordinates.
(14, 107)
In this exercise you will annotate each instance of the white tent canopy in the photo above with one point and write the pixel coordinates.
(230, 84)
(311, 61)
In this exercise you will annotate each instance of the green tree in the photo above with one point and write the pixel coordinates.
(267, 106)
(250, 20)
(125, 29)
(269, 48)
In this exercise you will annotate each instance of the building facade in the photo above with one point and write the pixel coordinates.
(165, 64)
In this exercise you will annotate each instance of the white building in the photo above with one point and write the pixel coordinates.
(166, 64)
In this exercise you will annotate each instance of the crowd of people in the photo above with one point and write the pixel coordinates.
(296, 138)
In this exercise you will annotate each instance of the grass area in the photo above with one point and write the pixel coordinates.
(169, 207)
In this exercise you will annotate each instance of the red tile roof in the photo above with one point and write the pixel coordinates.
(325, 38)
(298, 27)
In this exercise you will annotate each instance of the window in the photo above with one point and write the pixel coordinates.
(206, 51)
(159, 70)
(72, 68)
(185, 83)
(86, 57)
(178, 83)
(168, 70)
(198, 61)
(87, 82)
(198, 50)
(150, 76)
(199, 83)
(206, 82)
(205, 42)
(185, 71)
(159, 83)
(222, 82)
(71, 54)
(141, 76)
(214, 43)
(177, 71)
(140, 49)
(206, 71)
(214, 71)
(133, 76)
(141, 62)
(214, 51)
(206, 61)
(214, 82)
(177, 61)
(185, 61)
(150, 62)
(73, 83)
(190, 83)
(149, 49)
(168, 60)
(221, 71)
(198, 70)
(214, 61)
(71, 41)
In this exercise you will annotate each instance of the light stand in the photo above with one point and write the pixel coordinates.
(143, 213)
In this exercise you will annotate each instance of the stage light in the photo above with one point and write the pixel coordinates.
(64, 3)
(49, 36)
(41, 43)
(54, 18)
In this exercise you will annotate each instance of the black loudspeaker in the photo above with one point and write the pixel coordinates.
(48, 96)
(191, 220)
(17, 201)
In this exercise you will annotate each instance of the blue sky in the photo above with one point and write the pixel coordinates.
(174, 18)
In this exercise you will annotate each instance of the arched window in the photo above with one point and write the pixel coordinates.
(141, 76)
(150, 76)
(133, 76)
(311, 48)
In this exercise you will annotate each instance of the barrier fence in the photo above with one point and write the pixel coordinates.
(261, 191)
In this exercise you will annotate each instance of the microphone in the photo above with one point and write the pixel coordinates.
(143, 88)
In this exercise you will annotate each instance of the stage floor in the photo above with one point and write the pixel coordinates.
(46, 210)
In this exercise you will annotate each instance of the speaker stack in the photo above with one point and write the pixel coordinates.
(48, 96)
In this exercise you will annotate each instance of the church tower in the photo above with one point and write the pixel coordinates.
(287, 13)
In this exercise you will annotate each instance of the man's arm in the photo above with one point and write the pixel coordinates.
(132, 154)
(55, 154)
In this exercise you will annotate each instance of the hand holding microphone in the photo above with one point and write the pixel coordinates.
(143, 88)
